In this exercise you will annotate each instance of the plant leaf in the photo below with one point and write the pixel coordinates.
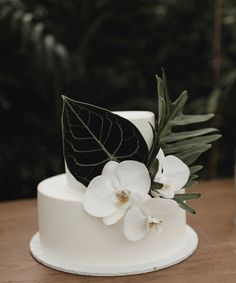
(186, 207)
(195, 169)
(187, 196)
(154, 149)
(92, 136)
(186, 135)
(186, 145)
(182, 120)
(182, 145)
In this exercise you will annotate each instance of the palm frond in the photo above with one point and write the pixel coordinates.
(186, 145)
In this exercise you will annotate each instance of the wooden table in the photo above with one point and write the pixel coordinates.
(214, 260)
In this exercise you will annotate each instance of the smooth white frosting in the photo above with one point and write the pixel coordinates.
(67, 232)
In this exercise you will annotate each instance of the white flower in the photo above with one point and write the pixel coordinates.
(121, 186)
(151, 216)
(173, 173)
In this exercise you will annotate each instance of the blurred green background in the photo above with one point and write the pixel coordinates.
(107, 53)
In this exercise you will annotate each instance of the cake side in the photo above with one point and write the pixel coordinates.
(68, 233)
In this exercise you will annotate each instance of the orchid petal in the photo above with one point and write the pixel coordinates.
(109, 171)
(98, 197)
(159, 207)
(176, 171)
(166, 192)
(137, 198)
(160, 157)
(133, 176)
(135, 225)
(115, 217)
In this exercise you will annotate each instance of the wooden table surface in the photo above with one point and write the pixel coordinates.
(214, 260)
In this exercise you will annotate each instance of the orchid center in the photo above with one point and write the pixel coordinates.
(153, 223)
(122, 197)
(166, 187)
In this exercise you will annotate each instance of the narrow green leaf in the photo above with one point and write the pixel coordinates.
(190, 183)
(154, 168)
(154, 149)
(189, 143)
(165, 88)
(195, 169)
(189, 157)
(161, 101)
(178, 105)
(182, 120)
(173, 137)
(187, 196)
(186, 207)
(190, 152)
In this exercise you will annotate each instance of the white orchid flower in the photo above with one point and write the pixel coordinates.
(121, 186)
(173, 173)
(151, 216)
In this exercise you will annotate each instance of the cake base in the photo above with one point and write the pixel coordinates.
(189, 246)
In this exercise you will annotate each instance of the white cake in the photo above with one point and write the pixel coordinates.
(69, 235)
(120, 208)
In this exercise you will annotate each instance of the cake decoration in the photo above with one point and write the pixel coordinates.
(121, 186)
(109, 155)
(150, 216)
(92, 136)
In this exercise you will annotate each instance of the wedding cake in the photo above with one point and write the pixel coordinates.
(120, 208)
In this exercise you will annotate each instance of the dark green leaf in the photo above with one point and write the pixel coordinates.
(154, 168)
(187, 196)
(186, 207)
(189, 143)
(182, 120)
(92, 136)
(186, 135)
(190, 183)
(154, 149)
(195, 169)
(189, 156)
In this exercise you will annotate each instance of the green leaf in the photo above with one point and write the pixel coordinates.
(189, 156)
(92, 136)
(187, 196)
(154, 168)
(154, 149)
(190, 183)
(195, 169)
(186, 207)
(186, 135)
(173, 148)
(182, 120)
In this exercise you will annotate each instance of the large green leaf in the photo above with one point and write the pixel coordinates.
(92, 136)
